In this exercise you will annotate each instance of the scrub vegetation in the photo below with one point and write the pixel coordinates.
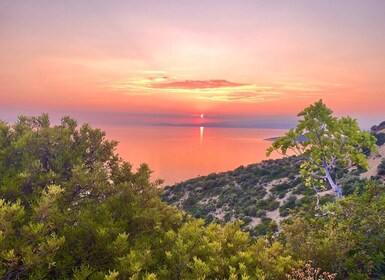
(71, 208)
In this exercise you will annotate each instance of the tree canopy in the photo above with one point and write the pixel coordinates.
(326, 143)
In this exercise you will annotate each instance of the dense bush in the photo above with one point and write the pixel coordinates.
(268, 204)
(381, 168)
(380, 138)
(347, 238)
(266, 227)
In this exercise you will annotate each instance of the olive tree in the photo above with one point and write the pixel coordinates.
(326, 144)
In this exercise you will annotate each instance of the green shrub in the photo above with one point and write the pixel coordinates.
(381, 168)
(380, 138)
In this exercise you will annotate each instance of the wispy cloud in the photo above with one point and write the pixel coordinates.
(221, 89)
(196, 84)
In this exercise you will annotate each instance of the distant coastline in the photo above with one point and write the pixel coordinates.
(302, 138)
(271, 139)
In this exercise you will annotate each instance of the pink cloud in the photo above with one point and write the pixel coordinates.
(196, 84)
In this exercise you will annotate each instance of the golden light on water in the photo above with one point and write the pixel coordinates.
(201, 129)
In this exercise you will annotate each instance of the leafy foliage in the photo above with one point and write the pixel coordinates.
(381, 168)
(348, 241)
(330, 144)
(71, 208)
(380, 138)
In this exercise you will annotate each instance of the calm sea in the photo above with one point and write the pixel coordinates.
(179, 153)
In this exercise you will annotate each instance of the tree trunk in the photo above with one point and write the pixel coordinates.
(335, 187)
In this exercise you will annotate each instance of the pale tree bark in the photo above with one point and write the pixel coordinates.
(333, 184)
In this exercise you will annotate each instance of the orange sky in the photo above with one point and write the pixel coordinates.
(169, 61)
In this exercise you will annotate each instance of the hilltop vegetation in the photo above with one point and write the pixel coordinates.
(327, 149)
(344, 236)
(71, 208)
(253, 194)
(261, 195)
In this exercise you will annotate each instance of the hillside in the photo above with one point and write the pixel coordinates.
(259, 194)
(376, 161)
(70, 208)
(263, 194)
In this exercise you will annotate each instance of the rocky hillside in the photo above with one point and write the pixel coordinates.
(259, 194)
(377, 161)
(263, 194)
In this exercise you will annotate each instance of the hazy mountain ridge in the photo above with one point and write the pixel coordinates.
(263, 194)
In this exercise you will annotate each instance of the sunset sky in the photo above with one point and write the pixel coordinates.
(241, 63)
